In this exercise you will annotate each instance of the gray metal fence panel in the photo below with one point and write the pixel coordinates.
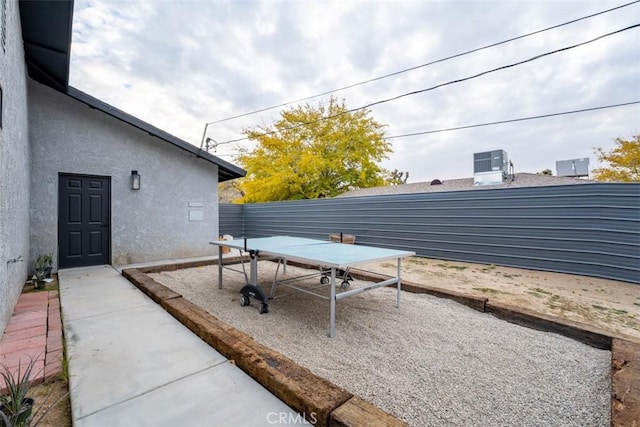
(589, 229)
(230, 221)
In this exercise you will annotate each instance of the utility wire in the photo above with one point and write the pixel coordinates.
(500, 122)
(437, 86)
(421, 65)
(584, 110)
(504, 67)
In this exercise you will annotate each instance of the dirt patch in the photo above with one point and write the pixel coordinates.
(52, 403)
(609, 305)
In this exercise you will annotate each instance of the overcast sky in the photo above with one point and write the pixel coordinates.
(181, 64)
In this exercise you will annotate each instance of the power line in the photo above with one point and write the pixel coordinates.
(437, 86)
(499, 122)
(584, 110)
(504, 67)
(261, 110)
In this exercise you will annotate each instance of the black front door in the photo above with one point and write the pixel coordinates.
(84, 220)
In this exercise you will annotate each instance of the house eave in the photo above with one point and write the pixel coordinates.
(46, 32)
(226, 170)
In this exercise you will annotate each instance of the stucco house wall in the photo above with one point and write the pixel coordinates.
(149, 224)
(14, 165)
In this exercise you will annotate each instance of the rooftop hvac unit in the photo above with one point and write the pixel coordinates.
(491, 161)
(573, 167)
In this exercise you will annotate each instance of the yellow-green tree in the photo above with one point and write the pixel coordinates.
(313, 152)
(623, 161)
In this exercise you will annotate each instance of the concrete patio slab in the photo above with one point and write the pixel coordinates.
(89, 298)
(132, 363)
(132, 350)
(222, 395)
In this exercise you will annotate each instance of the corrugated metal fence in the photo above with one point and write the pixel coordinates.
(230, 219)
(589, 229)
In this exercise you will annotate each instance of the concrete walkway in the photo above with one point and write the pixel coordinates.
(132, 363)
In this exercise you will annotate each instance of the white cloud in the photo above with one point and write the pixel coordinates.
(178, 65)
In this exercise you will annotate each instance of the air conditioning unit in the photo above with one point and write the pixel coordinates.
(490, 161)
(490, 167)
(573, 167)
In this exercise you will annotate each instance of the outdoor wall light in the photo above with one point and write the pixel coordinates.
(135, 180)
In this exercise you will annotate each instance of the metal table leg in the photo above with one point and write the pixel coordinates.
(332, 321)
(251, 289)
(219, 267)
(399, 284)
(253, 270)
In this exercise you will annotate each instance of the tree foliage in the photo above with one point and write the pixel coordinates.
(229, 191)
(397, 177)
(623, 161)
(313, 152)
(546, 172)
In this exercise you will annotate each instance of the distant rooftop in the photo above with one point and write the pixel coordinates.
(462, 184)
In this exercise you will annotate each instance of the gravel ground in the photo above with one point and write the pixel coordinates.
(431, 362)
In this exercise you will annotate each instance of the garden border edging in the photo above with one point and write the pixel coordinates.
(313, 396)
(625, 354)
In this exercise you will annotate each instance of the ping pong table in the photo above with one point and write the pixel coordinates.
(332, 256)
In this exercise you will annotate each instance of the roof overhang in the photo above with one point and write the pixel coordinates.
(46, 33)
(226, 170)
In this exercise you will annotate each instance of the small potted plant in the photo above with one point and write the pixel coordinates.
(15, 406)
(43, 269)
(48, 261)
